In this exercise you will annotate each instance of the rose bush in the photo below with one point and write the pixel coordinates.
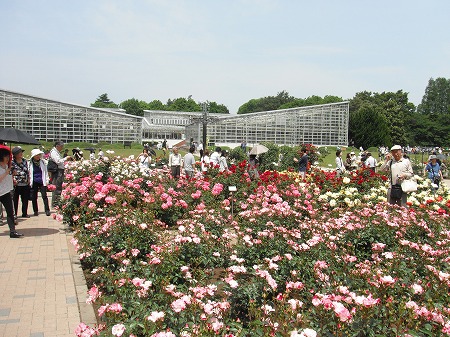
(283, 256)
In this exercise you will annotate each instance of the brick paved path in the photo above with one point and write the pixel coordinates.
(42, 287)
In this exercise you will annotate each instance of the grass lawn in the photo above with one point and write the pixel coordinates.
(328, 161)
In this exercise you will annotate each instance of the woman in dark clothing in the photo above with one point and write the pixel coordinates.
(6, 186)
(21, 181)
(38, 180)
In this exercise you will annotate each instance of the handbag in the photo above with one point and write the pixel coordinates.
(52, 166)
(396, 192)
(409, 185)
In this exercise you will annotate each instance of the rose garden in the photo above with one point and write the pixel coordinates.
(281, 256)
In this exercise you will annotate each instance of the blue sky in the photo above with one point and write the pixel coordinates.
(227, 51)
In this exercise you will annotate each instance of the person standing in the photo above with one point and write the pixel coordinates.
(58, 175)
(145, 159)
(302, 162)
(371, 162)
(399, 169)
(189, 163)
(21, 181)
(253, 165)
(205, 161)
(434, 170)
(340, 168)
(175, 162)
(215, 156)
(200, 149)
(223, 165)
(38, 181)
(6, 186)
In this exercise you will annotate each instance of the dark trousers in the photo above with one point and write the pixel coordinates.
(7, 202)
(176, 171)
(57, 180)
(34, 195)
(24, 193)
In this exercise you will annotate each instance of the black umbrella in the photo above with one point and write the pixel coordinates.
(16, 136)
(90, 149)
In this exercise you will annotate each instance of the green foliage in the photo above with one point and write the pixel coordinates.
(379, 119)
(156, 105)
(266, 103)
(237, 154)
(104, 102)
(134, 107)
(436, 99)
(312, 100)
(183, 104)
(217, 108)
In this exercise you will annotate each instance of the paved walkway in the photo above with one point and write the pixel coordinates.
(42, 287)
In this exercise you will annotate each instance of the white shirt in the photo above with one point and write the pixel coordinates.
(205, 163)
(223, 164)
(371, 162)
(402, 167)
(214, 159)
(175, 159)
(6, 185)
(57, 158)
(340, 164)
(189, 162)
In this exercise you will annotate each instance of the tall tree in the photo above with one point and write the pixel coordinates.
(386, 112)
(103, 101)
(437, 97)
(134, 107)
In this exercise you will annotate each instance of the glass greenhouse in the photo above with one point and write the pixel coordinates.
(49, 120)
(321, 125)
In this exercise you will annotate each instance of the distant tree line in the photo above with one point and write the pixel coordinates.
(135, 107)
(376, 119)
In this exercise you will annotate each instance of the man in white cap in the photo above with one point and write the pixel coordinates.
(399, 169)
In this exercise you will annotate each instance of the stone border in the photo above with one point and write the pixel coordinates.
(87, 313)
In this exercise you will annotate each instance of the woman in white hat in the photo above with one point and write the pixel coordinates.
(38, 180)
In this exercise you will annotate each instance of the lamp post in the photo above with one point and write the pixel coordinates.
(205, 106)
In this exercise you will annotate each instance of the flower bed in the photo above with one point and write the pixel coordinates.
(324, 256)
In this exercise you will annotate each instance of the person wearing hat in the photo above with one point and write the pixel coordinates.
(38, 180)
(58, 175)
(399, 169)
(6, 186)
(434, 170)
(21, 181)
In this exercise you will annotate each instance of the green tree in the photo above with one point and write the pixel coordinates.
(312, 100)
(134, 107)
(369, 126)
(436, 99)
(379, 119)
(218, 108)
(104, 102)
(266, 103)
(183, 104)
(156, 105)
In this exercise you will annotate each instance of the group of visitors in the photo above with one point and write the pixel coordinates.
(217, 159)
(24, 179)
